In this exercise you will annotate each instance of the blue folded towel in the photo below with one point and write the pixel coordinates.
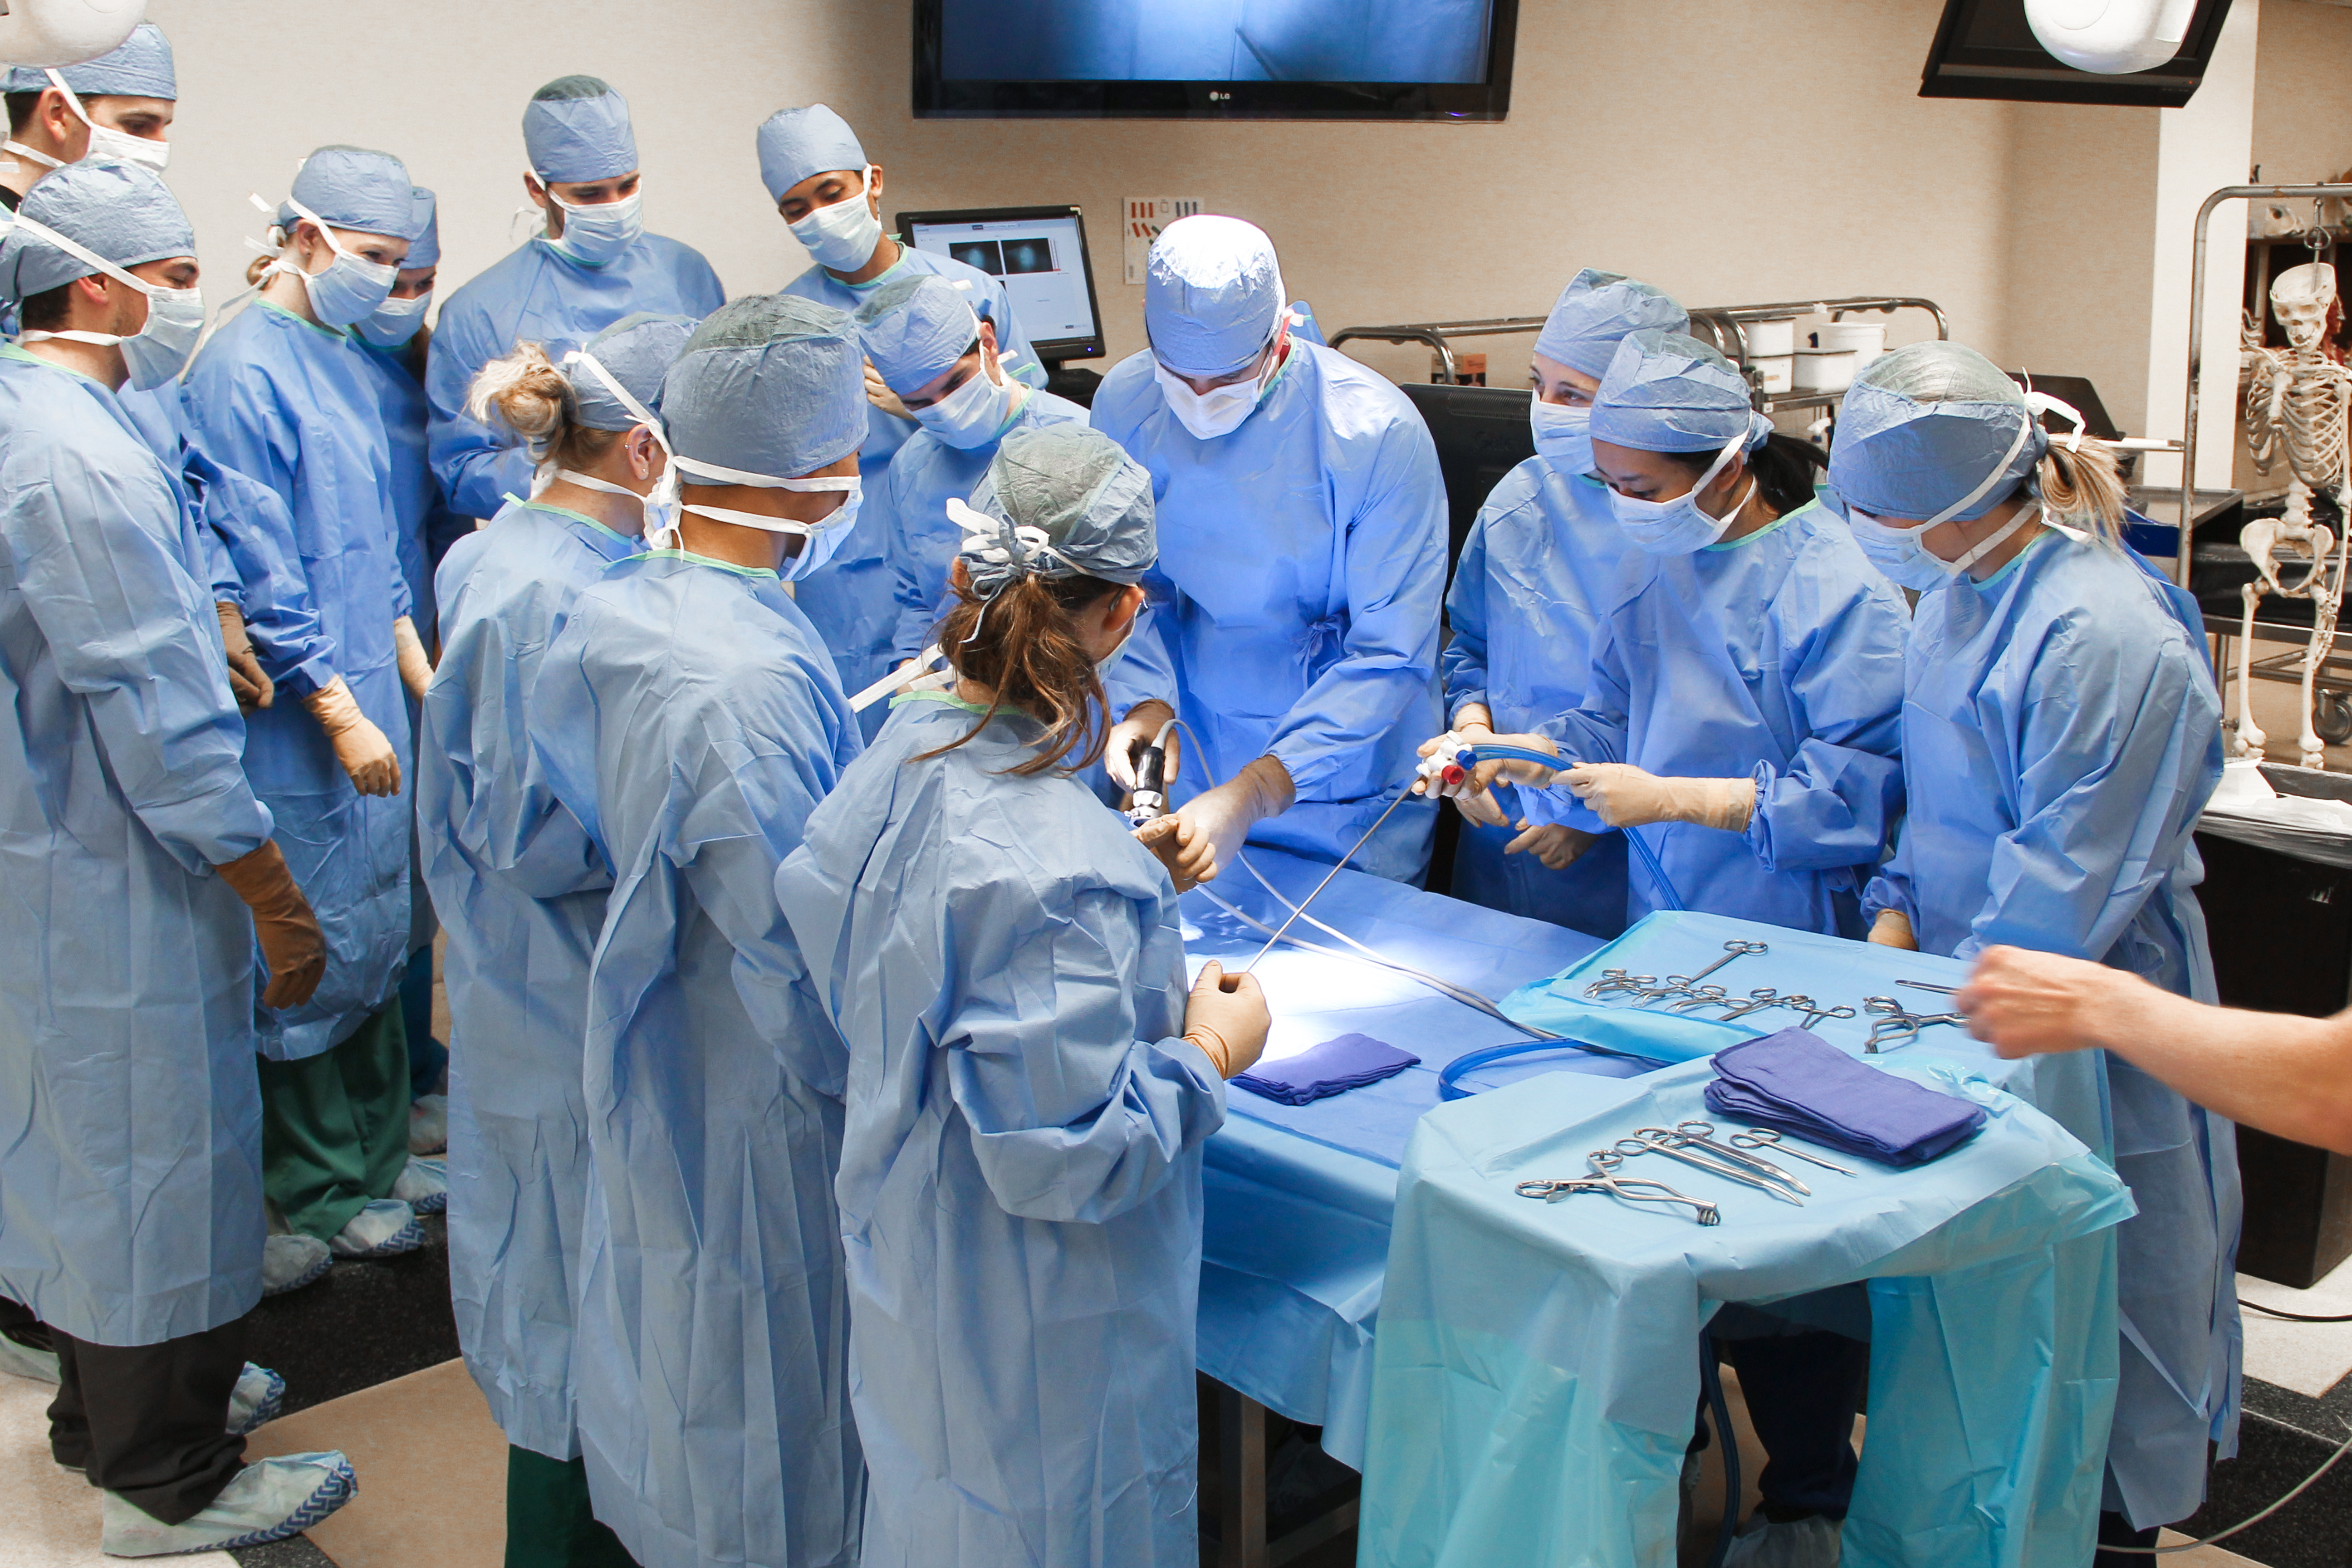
(1335, 1067)
(1799, 1083)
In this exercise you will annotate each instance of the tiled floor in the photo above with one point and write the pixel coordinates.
(2310, 1358)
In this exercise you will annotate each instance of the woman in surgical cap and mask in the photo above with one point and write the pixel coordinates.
(1524, 608)
(2061, 734)
(1030, 1084)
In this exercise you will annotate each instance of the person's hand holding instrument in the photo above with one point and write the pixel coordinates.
(1129, 738)
(1208, 829)
(1456, 779)
(1226, 1017)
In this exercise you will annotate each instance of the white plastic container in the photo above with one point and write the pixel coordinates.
(1826, 370)
(1779, 372)
(1866, 341)
(1772, 339)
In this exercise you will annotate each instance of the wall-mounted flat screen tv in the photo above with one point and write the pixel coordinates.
(1214, 59)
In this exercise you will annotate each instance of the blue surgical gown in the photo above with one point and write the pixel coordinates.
(1528, 595)
(1294, 606)
(1021, 1172)
(2061, 735)
(688, 715)
(520, 892)
(294, 406)
(1776, 658)
(537, 294)
(426, 527)
(851, 598)
(130, 1171)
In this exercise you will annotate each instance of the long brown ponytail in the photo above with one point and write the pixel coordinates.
(1027, 651)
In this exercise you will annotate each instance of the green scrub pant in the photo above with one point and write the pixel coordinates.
(549, 1524)
(334, 1127)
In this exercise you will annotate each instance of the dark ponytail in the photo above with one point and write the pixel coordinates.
(1783, 467)
(1028, 652)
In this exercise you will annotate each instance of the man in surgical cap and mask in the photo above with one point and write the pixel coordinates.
(118, 106)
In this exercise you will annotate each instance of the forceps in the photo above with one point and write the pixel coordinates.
(1814, 1012)
(1689, 985)
(1899, 1025)
(1703, 1134)
(1658, 1140)
(1605, 1179)
(1613, 981)
(1765, 1137)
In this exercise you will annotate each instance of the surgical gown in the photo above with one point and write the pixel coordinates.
(1778, 657)
(1021, 1174)
(521, 893)
(131, 1171)
(851, 599)
(537, 294)
(426, 526)
(1527, 597)
(1295, 607)
(687, 714)
(294, 406)
(2061, 735)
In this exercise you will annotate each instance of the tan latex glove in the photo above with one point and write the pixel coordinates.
(361, 748)
(416, 669)
(1131, 734)
(1199, 838)
(1557, 847)
(251, 687)
(291, 942)
(1623, 795)
(1485, 775)
(879, 392)
(1893, 928)
(1226, 1017)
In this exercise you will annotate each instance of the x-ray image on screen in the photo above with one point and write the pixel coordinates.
(1215, 40)
(1029, 256)
(984, 254)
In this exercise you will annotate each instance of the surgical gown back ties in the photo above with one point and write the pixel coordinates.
(1296, 603)
(537, 294)
(1525, 607)
(852, 599)
(522, 892)
(294, 406)
(688, 714)
(1021, 1174)
(2061, 736)
(1778, 658)
(131, 1175)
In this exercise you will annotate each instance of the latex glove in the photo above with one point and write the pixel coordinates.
(1484, 777)
(1484, 809)
(1623, 795)
(1197, 839)
(247, 679)
(1557, 847)
(288, 933)
(2032, 1004)
(1131, 734)
(416, 669)
(366, 755)
(1226, 1017)
(1893, 928)
(879, 392)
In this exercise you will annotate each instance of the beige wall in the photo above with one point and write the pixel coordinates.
(2302, 104)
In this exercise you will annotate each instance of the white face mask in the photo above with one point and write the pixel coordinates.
(106, 142)
(350, 288)
(821, 539)
(596, 235)
(971, 415)
(395, 320)
(842, 237)
(1902, 554)
(1563, 436)
(1220, 410)
(156, 352)
(1678, 527)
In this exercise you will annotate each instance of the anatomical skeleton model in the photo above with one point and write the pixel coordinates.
(2297, 401)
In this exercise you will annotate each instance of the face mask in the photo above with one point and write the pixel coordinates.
(971, 415)
(22, 156)
(821, 539)
(1678, 527)
(1216, 411)
(842, 237)
(156, 352)
(1900, 553)
(106, 142)
(350, 289)
(1563, 436)
(395, 320)
(1103, 665)
(596, 235)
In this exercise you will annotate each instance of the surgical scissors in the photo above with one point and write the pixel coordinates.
(1659, 1141)
(1765, 1137)
(1703, 1134)
(1898, 1022)
(1605, 1179)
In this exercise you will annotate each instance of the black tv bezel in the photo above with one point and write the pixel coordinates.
(1058, 350)
(2167, 86)
(937, 98)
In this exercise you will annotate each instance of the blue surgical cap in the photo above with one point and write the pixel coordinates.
(636, 350)
(797, 142)
(1667, 393)
(771, 384)
(915, 328)
(139, 67)
(1079, 488)
(425, 243)
(576, 128)
(118, 211)
(1212, 295)
(352, 187)
(1596, 312)
(1921, 428)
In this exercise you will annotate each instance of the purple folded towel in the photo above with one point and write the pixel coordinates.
(1334, 1066)
(1800, 1083)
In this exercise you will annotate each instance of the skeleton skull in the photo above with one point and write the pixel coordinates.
(2301, 299)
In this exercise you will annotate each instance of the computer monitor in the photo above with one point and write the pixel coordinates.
(1039, 254)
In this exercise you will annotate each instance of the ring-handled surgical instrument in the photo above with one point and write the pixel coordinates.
(1703, 997)
(1897, 1023)
(1657, 1139)
(1703, 1134)
(1765, 1137)
(1605, 1179)
(1814, 1012)
(1763, 996)
(1613, 981)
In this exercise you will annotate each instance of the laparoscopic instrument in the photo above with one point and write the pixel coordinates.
(1437, 769)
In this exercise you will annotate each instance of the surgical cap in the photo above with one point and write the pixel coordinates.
(425, 244)
(1078, 488)
(1667, 393)
(118, 211)
(576, 128)
(139, 67)
(771, 384)
(797, 142)
(636, 350)
(1923, 426)
(915, 329)
(1212, 295)
(354, 188)
(1596, 312)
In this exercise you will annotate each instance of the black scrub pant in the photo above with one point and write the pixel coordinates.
(1803, 1391)
(18, 1323)
(149, 1422)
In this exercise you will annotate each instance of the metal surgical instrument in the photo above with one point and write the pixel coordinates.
(1703, 1134)
(1657, 1139)
(1897, 1024)
(1765, 1137)
(1605, 1179)
(1613, 981)
(1689, 985)
(1814, 1012)
(1924, 985)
